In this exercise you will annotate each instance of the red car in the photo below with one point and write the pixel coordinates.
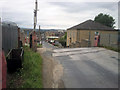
(53, 43)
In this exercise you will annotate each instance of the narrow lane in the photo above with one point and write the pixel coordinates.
(47, 45)
(49, 48)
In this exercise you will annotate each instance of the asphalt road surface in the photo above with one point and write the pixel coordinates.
(88, 67)
(48, 45)
(49, 48)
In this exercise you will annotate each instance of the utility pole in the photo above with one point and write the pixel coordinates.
(39, 34)
(35, 15)
(33, 38)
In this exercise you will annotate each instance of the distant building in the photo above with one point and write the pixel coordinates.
(58, 33)
(91, 33)
(50, 33)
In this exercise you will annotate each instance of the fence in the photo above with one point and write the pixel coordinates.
(111, 40)
(9, 36)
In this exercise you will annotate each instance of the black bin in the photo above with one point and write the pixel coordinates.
(14, 59)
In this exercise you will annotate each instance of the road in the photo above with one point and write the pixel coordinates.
(47, 45)
(88, 67)
(49, 48)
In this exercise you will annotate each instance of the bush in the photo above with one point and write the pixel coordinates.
(63, 42)
(63, 39)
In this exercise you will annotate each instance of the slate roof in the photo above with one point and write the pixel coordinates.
(90, 25)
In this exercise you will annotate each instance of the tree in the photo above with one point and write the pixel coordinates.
(105, 20)
(63, 39)
(65, 36)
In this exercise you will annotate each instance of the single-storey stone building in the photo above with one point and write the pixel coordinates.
(91, 33)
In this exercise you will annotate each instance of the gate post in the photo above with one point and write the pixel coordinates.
(3, 70)
(33, 41)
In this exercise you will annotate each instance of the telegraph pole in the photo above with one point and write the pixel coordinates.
(33, 38)
(35, 15)
(39, 34)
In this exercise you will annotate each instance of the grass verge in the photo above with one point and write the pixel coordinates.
(39, 46)
(30, 76)
(111, 48)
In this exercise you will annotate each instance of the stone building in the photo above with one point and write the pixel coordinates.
(86, 34)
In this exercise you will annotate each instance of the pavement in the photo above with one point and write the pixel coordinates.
(52, 71)
(87, 67)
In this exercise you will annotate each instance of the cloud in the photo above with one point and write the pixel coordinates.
(55, 14)
(73, 7)
(18, 11)
(119, 15)
(82, 11)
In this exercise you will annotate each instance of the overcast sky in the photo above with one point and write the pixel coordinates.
(55, 14)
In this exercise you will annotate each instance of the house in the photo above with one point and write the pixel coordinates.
(50, 33)
(91, 33)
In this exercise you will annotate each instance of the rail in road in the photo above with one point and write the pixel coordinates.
(88, 67)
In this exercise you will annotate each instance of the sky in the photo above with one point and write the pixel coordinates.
(119, 15)
(56, 14)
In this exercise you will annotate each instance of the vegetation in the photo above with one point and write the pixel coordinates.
(111, 48)
(105, 20)
(39, 45)
(30, 76)
(63, 39)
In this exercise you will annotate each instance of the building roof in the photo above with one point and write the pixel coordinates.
(52, 37)
(90, 25)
